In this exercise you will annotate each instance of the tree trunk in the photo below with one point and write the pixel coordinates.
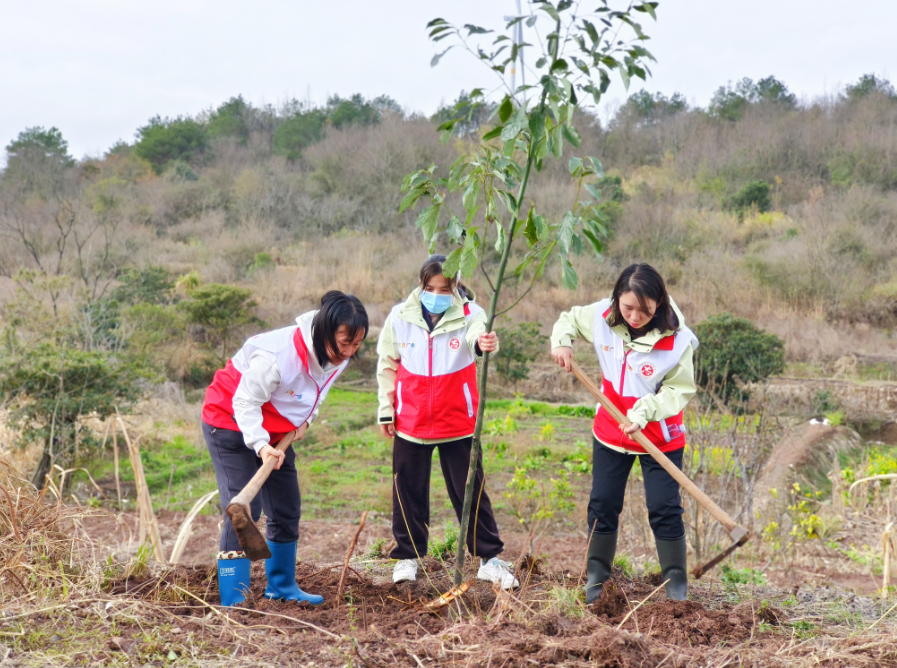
(43, 467)
(477, 446)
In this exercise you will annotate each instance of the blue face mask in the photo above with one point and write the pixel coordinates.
(435, 303)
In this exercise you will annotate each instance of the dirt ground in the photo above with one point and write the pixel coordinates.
(159, 615)
(326, 542)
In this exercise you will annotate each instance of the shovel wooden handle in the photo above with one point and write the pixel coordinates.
(252, 488)
(735, 531)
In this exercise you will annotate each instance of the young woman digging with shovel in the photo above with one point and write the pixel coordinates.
(428, 398)
(274, 384)
(645, 351)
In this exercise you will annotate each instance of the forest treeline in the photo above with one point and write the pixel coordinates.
(152, 261)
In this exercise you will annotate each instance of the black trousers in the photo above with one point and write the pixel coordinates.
(411, 497)
(235, 464)
(610, 470)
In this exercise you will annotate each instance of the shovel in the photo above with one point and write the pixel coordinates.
(737, 533)
(238, 510)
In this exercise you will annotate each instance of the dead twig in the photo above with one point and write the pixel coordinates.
(349, 552)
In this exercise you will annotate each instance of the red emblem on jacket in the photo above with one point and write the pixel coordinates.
(646, 370)
(455, 343)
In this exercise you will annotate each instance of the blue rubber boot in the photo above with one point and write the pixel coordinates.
(233, 580)
(281, 572)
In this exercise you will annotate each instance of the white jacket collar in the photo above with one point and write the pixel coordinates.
(305, 327)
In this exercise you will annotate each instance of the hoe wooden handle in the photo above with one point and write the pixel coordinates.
(735, 531)
(252, 488)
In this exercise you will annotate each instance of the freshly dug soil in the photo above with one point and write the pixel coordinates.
(683, 622)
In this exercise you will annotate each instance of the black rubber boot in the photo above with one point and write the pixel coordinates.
(671, 554)
(602, 548)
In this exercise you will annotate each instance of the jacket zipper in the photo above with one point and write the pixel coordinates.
(622, 382)
(318, 391)
(430, 375)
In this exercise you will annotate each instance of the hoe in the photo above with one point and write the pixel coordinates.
(238, 510)
(737, 533)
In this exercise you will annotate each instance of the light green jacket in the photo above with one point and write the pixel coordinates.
(677, 387)
(388, 352)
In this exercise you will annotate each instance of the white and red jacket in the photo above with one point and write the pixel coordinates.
(428, 384)
(630, 375)
(271, 386)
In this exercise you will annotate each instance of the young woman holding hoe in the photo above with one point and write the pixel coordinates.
(274, 384)
(645, 351)
(428, 399)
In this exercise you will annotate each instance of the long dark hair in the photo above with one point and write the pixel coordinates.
(337, 309)
(432, 267)
(644, 281)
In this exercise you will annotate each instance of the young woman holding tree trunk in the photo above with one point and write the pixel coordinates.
(645, 351)
(274, 384)
(428, 399)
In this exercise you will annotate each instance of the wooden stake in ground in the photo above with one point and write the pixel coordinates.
(115, 458)
(143, 496)
(342, 577)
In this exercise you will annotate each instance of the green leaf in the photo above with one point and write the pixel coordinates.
(624, 75)
(427, 221)
(500, 241)
(648, 8)
(565, 232)
(571, 135)
(470, 195)
(469, 256)
(529, 229)
(557, 144)
(570, 279)
(505, 109)
(452, 264)
(575, 165)
(172, 655)
(471, 213)
(559, 64)
(593, 191)
(435, 61)
(475, 30)
(493, 133)
(541, 63)
(550, 10)
(411, 198)
(577, 244)
(454, 230)
(531, 21)
(537, 124)
(595, 165)
(593, 239)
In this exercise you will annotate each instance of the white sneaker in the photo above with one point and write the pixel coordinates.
(405, 571)
(497, 571)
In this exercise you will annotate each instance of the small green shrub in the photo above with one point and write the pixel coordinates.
(734, 348)
(519, 346)
(577, 411)
(625, 565)
(262, 262)
(444, 549)
(754, 196)
(739, 576)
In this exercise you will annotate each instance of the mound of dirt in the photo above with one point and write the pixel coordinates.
(682, 622)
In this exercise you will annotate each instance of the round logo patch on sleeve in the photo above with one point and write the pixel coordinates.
(455, 343)
(646, 370)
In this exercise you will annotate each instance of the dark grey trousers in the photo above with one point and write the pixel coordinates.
(610, 471)
(411, 464)
(235, 464)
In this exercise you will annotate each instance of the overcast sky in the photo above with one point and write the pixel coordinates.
(98, 69)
